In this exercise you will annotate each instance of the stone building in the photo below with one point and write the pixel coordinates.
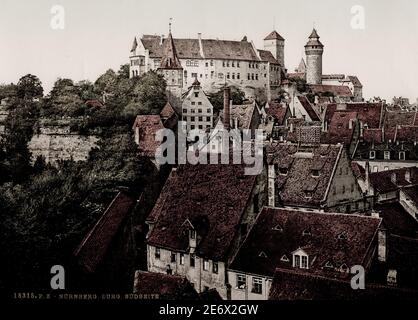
(197, 111)
(215, 63)
(312, 176)
(199, 220)
(316, 243)
(314, 50)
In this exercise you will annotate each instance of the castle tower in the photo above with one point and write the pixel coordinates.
(274, 43)
(314, 50)
(170, 67)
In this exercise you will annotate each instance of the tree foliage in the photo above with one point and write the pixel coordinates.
(29, 87)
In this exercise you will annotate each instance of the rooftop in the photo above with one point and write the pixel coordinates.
(148, 125)
(328, 238)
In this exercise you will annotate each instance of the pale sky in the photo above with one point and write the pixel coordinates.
(98, 35)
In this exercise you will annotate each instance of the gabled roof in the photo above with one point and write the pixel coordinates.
(244, 113)
(292, 187)
(148, 125)
(337, 90)
(367, 113)
(267, 56)
(321, 243)
(92, 250)
(274, 35)
(277, 110)
(169, 59)
(308, 108)
(382, 181)
(168, 287)
(339, 130)
(216, 193)
(211, 49)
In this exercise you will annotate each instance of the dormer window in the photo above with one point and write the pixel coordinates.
(402, 155)
(344, 268)
(278, 228)
(342, 236)
(284, 258)
(262, 254)
(300, 259)
(308, 194)
(329, 265)
(315, 173)
(372, 155)
(387, 155)
(306, 233)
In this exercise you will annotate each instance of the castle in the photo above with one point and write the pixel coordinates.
(219, 63)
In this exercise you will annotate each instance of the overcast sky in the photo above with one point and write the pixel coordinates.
(98, 35)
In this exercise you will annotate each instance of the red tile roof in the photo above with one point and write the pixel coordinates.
(274, 35)
(396, 220)
(339, 91)
(278, 232)
(339, 128)
(406, 133)
(308, 107)
(212, 49)
(382, 181)
(300, 285)
(148, 125)
(277, 110)
(367, 113)
(93, 248)
(300, 161)
(213, 195)
(373, 135)
(168, 287)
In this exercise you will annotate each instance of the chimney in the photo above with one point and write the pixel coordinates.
(161, 40)
(367, 178)
(291, 127)
(199, 37)
(350, 124)
(393, 178)
(235, 123)
(227, 108)
(361, 130)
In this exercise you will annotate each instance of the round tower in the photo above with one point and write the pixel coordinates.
(314, 50)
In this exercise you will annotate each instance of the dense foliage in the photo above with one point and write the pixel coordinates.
(45, 210)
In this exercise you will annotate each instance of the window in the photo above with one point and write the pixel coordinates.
(194, 75)
(402, 155)
(372, 155)
(227, 75)
(192, 118)
(241, 281)
(211, 63)
(315, 173)
(237, 64)
(283, 171)
(185, 73)
(181, 258)
(223, 63)
(375, 169)
(387, 155)
(196, 94)
(252, 76)
(192, 232)
(296, 261)
(193, 103)
(184, 110)
(227, 63)
(193, 111)
(205, 264)
(199, 110)
(173, 257)
(192, 126)
(304, 262)
(233, 76)
(256, 76)
(192, 261)
(199, 103)
(196, 63)
(200, 127)
(157, 253)
(215, 267)
(207, 118)
(207, 64)
(238, 76)
(200, 118)
(208, 110)
(249, 77)
(257, 285)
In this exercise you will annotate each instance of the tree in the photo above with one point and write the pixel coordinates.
(123, 72)
(217, 99)
(29, 87)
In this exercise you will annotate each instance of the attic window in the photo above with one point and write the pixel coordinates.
(262, 254)
(402, 155)
(342, 236)
(372, 155)
(315, 173)
(344, 268)
(284, 258)
(387, 155)
(308, 194)
(329, 265)
(192, 234)
(278, 228)
(283, 171)
(306, 233)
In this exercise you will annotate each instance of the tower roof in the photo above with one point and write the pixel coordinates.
(170, 59)
(314, 40)
(196, 83)
(134, 45)
(274, 35)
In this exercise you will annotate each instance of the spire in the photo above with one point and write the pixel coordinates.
(314, 40)
(196, 82)
(134, 45)
(170, 60)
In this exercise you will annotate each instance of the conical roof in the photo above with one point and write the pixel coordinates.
(170, 59)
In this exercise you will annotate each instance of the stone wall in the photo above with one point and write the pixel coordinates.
(57, 142)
